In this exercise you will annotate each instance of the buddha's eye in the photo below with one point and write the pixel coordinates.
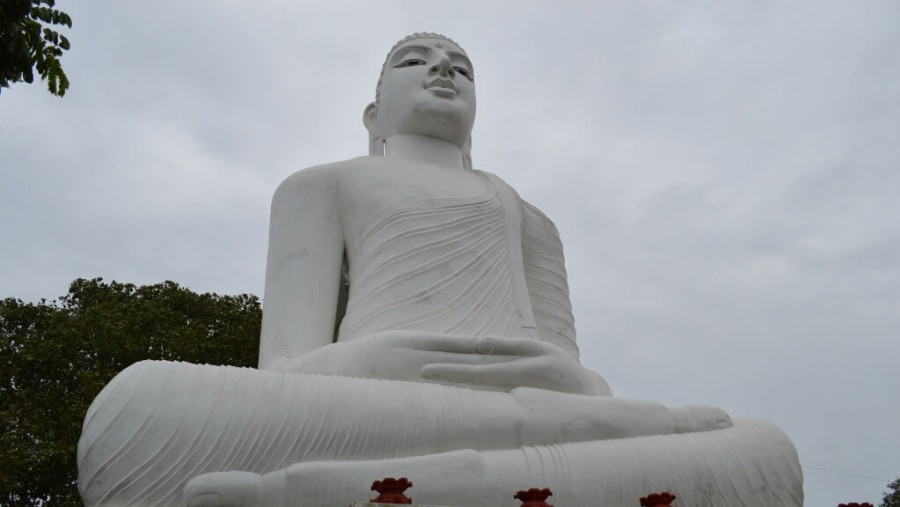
(464, 71)
(410, 63)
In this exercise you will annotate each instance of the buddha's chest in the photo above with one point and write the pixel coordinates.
(369, 197)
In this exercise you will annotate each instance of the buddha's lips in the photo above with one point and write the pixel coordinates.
(442, 83)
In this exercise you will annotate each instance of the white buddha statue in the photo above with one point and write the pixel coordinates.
(416, 323)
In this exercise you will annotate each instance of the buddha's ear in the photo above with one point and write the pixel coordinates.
(369, 114)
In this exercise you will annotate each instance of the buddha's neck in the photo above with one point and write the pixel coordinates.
(425, 149)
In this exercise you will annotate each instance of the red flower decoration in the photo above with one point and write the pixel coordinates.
(391, 490)
(663, 499)
(534, 497)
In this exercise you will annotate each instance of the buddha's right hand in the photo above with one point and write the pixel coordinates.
(391, 355)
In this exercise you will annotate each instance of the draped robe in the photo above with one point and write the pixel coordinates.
(486, 265)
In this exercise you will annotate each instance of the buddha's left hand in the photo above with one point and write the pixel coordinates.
(520, 362)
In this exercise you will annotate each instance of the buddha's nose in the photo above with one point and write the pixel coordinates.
(443, 67)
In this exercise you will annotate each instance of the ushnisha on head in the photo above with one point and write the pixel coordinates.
(426, 88)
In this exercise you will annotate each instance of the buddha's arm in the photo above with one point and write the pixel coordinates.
(548, 287)
(545, 278)
(303, 267)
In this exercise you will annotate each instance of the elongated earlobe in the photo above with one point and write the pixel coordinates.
(376, 145)
(376, 141)
(467, 154)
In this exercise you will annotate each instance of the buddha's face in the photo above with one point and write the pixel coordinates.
(427, 88)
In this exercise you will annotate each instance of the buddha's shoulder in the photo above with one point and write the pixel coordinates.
(533, 215)
(331, 174)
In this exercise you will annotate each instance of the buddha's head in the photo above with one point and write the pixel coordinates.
(426, 87)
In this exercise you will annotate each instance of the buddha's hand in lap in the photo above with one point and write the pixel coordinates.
(488, 363)
(519, 362)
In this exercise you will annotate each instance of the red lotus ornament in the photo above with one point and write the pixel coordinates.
(534, 497)
(663, 499)
(391, 490)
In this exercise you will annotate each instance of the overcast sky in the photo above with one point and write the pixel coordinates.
(724, 176)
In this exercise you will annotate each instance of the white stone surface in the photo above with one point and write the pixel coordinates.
(454, 364)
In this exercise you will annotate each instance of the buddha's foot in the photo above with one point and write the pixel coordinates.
(224, 489)
(694, 418)
(439, 478)
(606, 418)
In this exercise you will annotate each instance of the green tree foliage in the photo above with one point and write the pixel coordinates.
(56, 356)
(28, 42)
(892, 497)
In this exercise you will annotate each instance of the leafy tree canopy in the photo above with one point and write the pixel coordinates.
(56, 356)
(892, 497)
(29, 42)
